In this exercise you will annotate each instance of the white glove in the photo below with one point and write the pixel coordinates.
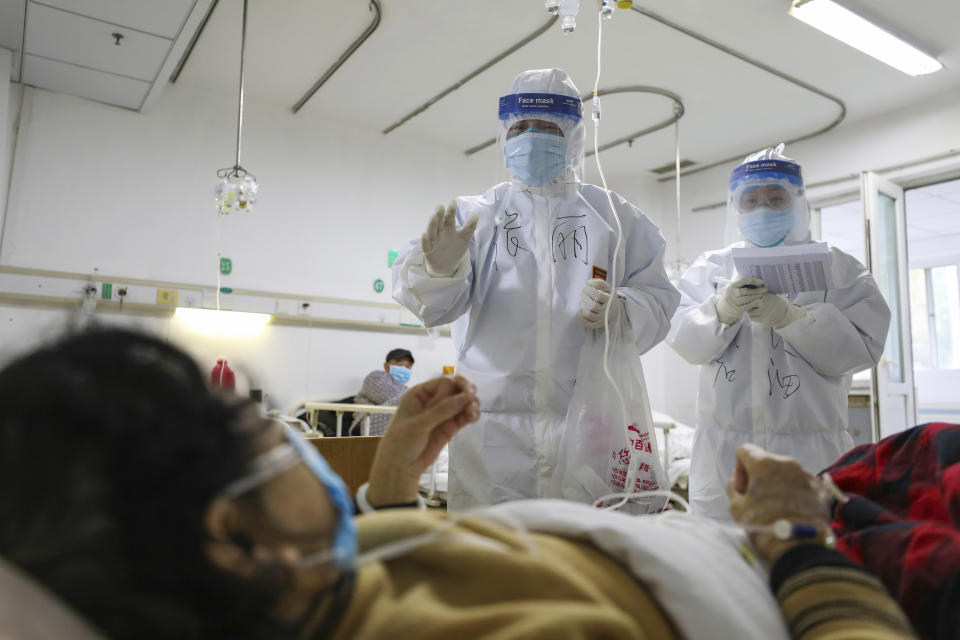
(443, 244)
(776, 312)
(593, 300)
(739, 298)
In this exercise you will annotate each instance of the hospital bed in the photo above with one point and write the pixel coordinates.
(433, 484)
(313, 409)
(674, 440)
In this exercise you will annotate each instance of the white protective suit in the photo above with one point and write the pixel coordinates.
(513, 303)
(782, 389)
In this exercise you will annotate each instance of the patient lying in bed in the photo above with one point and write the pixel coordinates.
(175, 510)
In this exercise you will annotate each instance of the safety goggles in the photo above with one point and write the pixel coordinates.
(772, 196)
(535, 126)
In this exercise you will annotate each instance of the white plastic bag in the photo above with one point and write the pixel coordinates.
(601, 447)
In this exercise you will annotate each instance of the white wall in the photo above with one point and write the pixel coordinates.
(6, 127)
(890, 139)
(132, 194)
(289, 363)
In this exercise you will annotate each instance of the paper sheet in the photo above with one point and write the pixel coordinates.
(787, 269)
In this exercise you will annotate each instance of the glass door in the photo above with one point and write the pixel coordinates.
(894, 404)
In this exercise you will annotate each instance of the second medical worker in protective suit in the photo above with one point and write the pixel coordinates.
(520, 271)
(776, 370)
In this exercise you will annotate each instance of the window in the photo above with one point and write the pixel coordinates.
(935, 312)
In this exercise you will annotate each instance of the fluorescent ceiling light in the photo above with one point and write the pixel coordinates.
(222, 323)
(851, 29)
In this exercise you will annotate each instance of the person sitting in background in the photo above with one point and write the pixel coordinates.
(158, 508)
(383, 388)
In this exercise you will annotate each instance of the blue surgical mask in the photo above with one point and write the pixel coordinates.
(536, 157)
(399, 373)
(766, 227)
(345, 539)
(277, 460)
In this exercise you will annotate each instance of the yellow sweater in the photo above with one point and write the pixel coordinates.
(558, 589)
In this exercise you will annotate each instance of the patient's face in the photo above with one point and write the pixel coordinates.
(294, 504)
(288, 517)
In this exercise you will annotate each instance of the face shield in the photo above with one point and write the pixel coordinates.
(541, 131)
(766, 205)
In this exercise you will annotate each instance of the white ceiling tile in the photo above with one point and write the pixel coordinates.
(85, 83)
(67, 37)
(916, 233)
(11, 24)
(916, 195)
(162, 18)
(920, 212)
(944, 224)
(949, 190)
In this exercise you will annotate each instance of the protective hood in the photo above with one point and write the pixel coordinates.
(766, 205)
(540, 155)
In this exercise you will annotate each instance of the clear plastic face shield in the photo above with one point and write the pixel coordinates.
(766, 205)
(541, 134)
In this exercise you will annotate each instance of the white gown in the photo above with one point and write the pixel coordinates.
(514, 305)
(785, 389)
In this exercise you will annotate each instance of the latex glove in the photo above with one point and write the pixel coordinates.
(443, 244)
(766, 487)
(776, 312)
(428, 416)
(594, 297)
(739, 298)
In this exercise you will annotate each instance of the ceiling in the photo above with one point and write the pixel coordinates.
(120, 53)
(421, 48)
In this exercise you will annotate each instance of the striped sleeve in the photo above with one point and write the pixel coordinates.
(825, 596)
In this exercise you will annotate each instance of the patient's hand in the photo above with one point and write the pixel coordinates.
(766, 487)
(427, 418)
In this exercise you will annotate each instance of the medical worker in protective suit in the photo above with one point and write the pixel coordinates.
(520, 273)
(775, 369)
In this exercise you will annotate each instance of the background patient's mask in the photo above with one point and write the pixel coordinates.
(285, 456)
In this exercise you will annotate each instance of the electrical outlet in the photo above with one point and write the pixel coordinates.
(167, 296)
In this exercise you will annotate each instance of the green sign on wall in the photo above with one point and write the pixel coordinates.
(226, 266)
(378, 285)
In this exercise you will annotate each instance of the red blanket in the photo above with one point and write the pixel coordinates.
(903, 521)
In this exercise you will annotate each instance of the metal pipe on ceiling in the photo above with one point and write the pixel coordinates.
(470, 76)
(678, 111)
(760, 65)
(375, 7)
(193, 42)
